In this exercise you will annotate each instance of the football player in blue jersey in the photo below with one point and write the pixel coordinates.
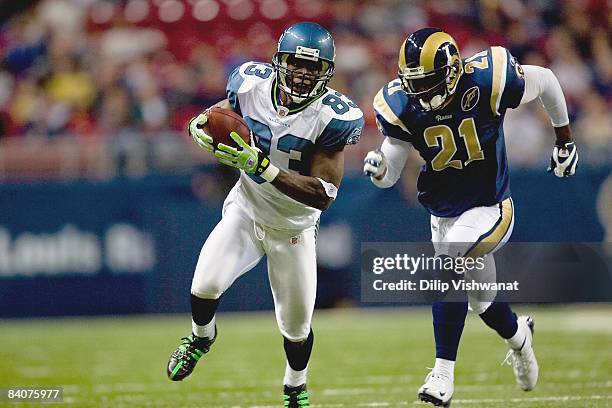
(452, 111)
(289, 175)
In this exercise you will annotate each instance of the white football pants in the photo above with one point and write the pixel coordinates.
(478, 232)
(238, 243)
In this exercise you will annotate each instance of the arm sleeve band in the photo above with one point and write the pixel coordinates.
(541, 82)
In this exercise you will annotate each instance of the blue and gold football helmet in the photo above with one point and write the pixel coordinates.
(430, 66)
(304, 62)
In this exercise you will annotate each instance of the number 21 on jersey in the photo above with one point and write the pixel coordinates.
(443, 136)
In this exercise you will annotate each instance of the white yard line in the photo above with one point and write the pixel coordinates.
(554, 385)
(472, 401)
(563, 398)
(401, 389)
(102, 389)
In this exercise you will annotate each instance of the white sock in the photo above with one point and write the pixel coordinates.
(294, 378)
(445, 366)
(204, 331)
(517, 341)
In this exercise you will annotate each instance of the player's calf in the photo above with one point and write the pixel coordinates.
(438, 273)
(298, 355)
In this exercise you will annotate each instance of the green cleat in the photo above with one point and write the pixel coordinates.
(296, 397)
(186, 356)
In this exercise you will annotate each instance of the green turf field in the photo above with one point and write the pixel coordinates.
(361, 359)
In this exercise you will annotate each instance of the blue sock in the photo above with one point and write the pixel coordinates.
(500, 318)
(448, 322)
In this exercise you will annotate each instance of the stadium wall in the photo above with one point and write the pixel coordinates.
(130, 246)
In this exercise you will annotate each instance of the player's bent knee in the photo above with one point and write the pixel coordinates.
(205, 296)
(478, 307)
(296, 342)
(207, 292)
(295, 334)
(209, 286)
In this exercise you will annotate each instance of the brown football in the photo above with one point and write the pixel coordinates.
(221, 122)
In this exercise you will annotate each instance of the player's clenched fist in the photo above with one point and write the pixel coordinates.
(196, 131)
(564, 160)
(375, 164)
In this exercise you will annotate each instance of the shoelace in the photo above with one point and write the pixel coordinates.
(187, 348)
(183, 349)
(301, 399)
(440, 373)
(508, 359)
(439, 376)
(512, 359)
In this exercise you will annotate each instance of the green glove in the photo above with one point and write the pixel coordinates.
(199, 136)
(250, 159)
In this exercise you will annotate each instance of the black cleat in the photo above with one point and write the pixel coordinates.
(437, 390)
(433, 400)
(186, 356)
(296, 397)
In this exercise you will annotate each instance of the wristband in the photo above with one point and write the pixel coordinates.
(330, 190)
(270, 172)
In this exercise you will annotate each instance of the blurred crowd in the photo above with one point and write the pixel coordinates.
(99, 79)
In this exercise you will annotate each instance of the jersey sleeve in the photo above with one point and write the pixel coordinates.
(388, 107)
(508, 81)
(234, 82)
(339, 133)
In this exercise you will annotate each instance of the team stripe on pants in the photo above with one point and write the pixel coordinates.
(488, 241)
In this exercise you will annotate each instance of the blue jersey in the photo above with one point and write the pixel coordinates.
(463, 143)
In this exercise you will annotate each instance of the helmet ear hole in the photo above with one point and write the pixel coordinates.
(455, 71)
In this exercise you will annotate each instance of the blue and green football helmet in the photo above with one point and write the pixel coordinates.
(430, 67)
(304, 45)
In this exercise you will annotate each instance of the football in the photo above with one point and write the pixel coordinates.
(221, 122)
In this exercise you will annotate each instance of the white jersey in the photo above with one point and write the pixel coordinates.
(289, 138)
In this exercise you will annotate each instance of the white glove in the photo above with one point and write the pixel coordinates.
(197, 133)
(564, 160)
(375, 164)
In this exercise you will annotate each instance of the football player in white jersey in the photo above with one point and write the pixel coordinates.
(290, 173)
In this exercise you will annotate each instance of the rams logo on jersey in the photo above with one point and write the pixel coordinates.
(519, 70)
(517, 67)
(470, 98)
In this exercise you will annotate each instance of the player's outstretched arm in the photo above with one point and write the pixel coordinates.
(542, 83)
